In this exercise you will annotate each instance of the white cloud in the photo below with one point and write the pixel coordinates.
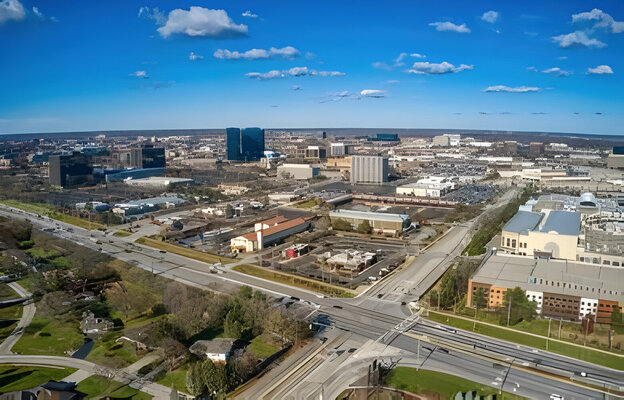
(195, 57)
(249, 14)
(201, 22)
(600, 70)
(382, 65)
(450, 27)
(374, 93)
(507, 89)
(400, 58)
(437, 69)
(152, 13)
(602, 20)
(42, 16)
(11, 10)
(563, 58)
(287, 52)
(140, 74)
(577, 39)
(490, 16)
(417, 55)
(557, 71)
(292, 72)
(392, 81)
(531, 68)
(327, 73)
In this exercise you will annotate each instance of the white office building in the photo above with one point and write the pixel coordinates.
(369, 169)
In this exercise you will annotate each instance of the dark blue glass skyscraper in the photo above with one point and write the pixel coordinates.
(244, 144)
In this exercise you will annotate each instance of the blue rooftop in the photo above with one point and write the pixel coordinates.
(523, 221)
(562, 222)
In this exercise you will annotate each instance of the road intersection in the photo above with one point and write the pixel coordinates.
(371, 316)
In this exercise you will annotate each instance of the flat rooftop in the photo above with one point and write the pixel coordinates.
(593, 281)
(368, 215)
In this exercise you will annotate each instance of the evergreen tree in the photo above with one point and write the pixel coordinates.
(522, 309)
(479, 300)
(195, 380)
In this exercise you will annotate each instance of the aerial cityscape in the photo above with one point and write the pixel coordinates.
(331, 200)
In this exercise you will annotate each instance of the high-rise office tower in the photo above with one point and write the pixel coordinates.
(70, 169)
(245, 144)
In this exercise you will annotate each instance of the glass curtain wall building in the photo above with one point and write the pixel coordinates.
(245, 144)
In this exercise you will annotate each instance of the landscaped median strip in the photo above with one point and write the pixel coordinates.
(293, 280)
(183, 251)
(595, 356)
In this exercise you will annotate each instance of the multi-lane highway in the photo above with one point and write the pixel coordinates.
(373, 316)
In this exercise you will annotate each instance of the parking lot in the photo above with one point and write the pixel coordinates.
(388, 255)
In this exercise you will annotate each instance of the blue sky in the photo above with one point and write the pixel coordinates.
(93, 65)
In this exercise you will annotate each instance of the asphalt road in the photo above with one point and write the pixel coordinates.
(365, 316)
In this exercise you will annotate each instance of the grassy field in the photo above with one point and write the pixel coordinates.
(176, 378)
(447, 386)
(49, 337)
(292, 280)
(122, 234)
(585, 354)
(111, 354)
(261, 348)
(50, 211)
(183, 251)
(98, 387)
(14, 378)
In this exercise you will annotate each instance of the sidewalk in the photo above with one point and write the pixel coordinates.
(28, 312)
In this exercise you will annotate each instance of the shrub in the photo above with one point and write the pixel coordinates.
(158, 309)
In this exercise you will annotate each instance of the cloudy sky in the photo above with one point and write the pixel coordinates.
(93, 65)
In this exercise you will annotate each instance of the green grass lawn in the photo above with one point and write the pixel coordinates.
(585, 354)
(447, 386)
(14, 378)
(293, 280)
(261, 348)
(122, 233)
(49, 337)
(14, 312)
(113, 354)
(183, 251)
(177, 378)
(26, 283)
(51, 211)
(6, 293)
(98, 387)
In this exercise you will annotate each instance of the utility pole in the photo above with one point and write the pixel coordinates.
(438, 300)
(548, 337)
(474, 323)
(509, 310)
(418, 353)
(560, 322)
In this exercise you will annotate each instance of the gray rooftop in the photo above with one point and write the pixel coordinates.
(559, 276)
(342, 213)
(523, 221)
(562, 222)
